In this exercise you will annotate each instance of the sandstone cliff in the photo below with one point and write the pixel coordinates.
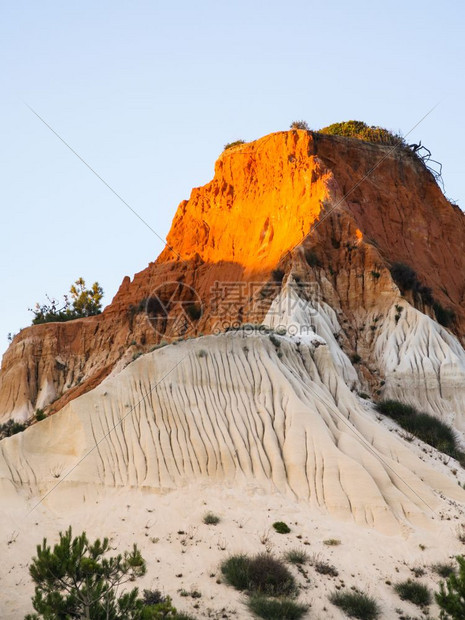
(267, 217)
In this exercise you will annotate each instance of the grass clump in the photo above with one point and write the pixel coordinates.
(424, 426)
(262, 574)
(444, 569)
(271, 609)
(296, 556)
(356, 605)
(280, 526)
(230, 145)
(415, 592)
(211, 519)
(324, 568)
(332, 542)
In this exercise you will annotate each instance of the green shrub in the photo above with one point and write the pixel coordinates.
(355, 358)
(415, 592)
(85, 302)
(211, 519)
(281, 527)
(77, 579)
(443, 569)
(271, 609)
(451, 597)
(356, 605)
(236, 571)
(262, 573)
(10, 428)
(296, 556)
(230, 145)
(424, 426)
(40, 415)
(300, 125)
(362, 131)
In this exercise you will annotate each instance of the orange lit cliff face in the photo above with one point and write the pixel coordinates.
(262, 202)
(352, 206)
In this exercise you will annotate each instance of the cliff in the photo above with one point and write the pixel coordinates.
(323, 212)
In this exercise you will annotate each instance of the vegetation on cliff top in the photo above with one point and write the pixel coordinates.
(84, 302)
(362, 131)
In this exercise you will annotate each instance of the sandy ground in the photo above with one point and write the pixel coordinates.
(183, 553)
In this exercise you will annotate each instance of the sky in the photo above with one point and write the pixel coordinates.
(148, 93)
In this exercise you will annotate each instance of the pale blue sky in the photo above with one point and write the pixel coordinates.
(149, 92)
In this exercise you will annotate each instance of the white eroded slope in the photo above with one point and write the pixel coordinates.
(423, 363)
(314, 316)
(231, 409)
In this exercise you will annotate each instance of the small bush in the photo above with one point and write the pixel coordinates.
(424, 426)
(11, 428)
(355, 358)
(375, 274)
(40, 415)
(332, 542)
(283, 609)
(230, 145)
(443, 569)
(415, 592)
(236, 571)
(211, 519)
(362, 131)
(324, 568)
(262, 573)
(281, 527)
(296, 556)
(300, 125)
(356, 605)
(202, 353)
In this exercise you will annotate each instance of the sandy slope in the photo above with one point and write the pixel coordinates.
(256, 429)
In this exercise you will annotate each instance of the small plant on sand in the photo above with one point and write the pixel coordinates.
(281, 527)
(324, 568)
(296, 556)
(211, 519)
(356, 605)
(272, 609)
(415, 592)
(260, 574)
(424, 426)
(332, 542)
(444, 569)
